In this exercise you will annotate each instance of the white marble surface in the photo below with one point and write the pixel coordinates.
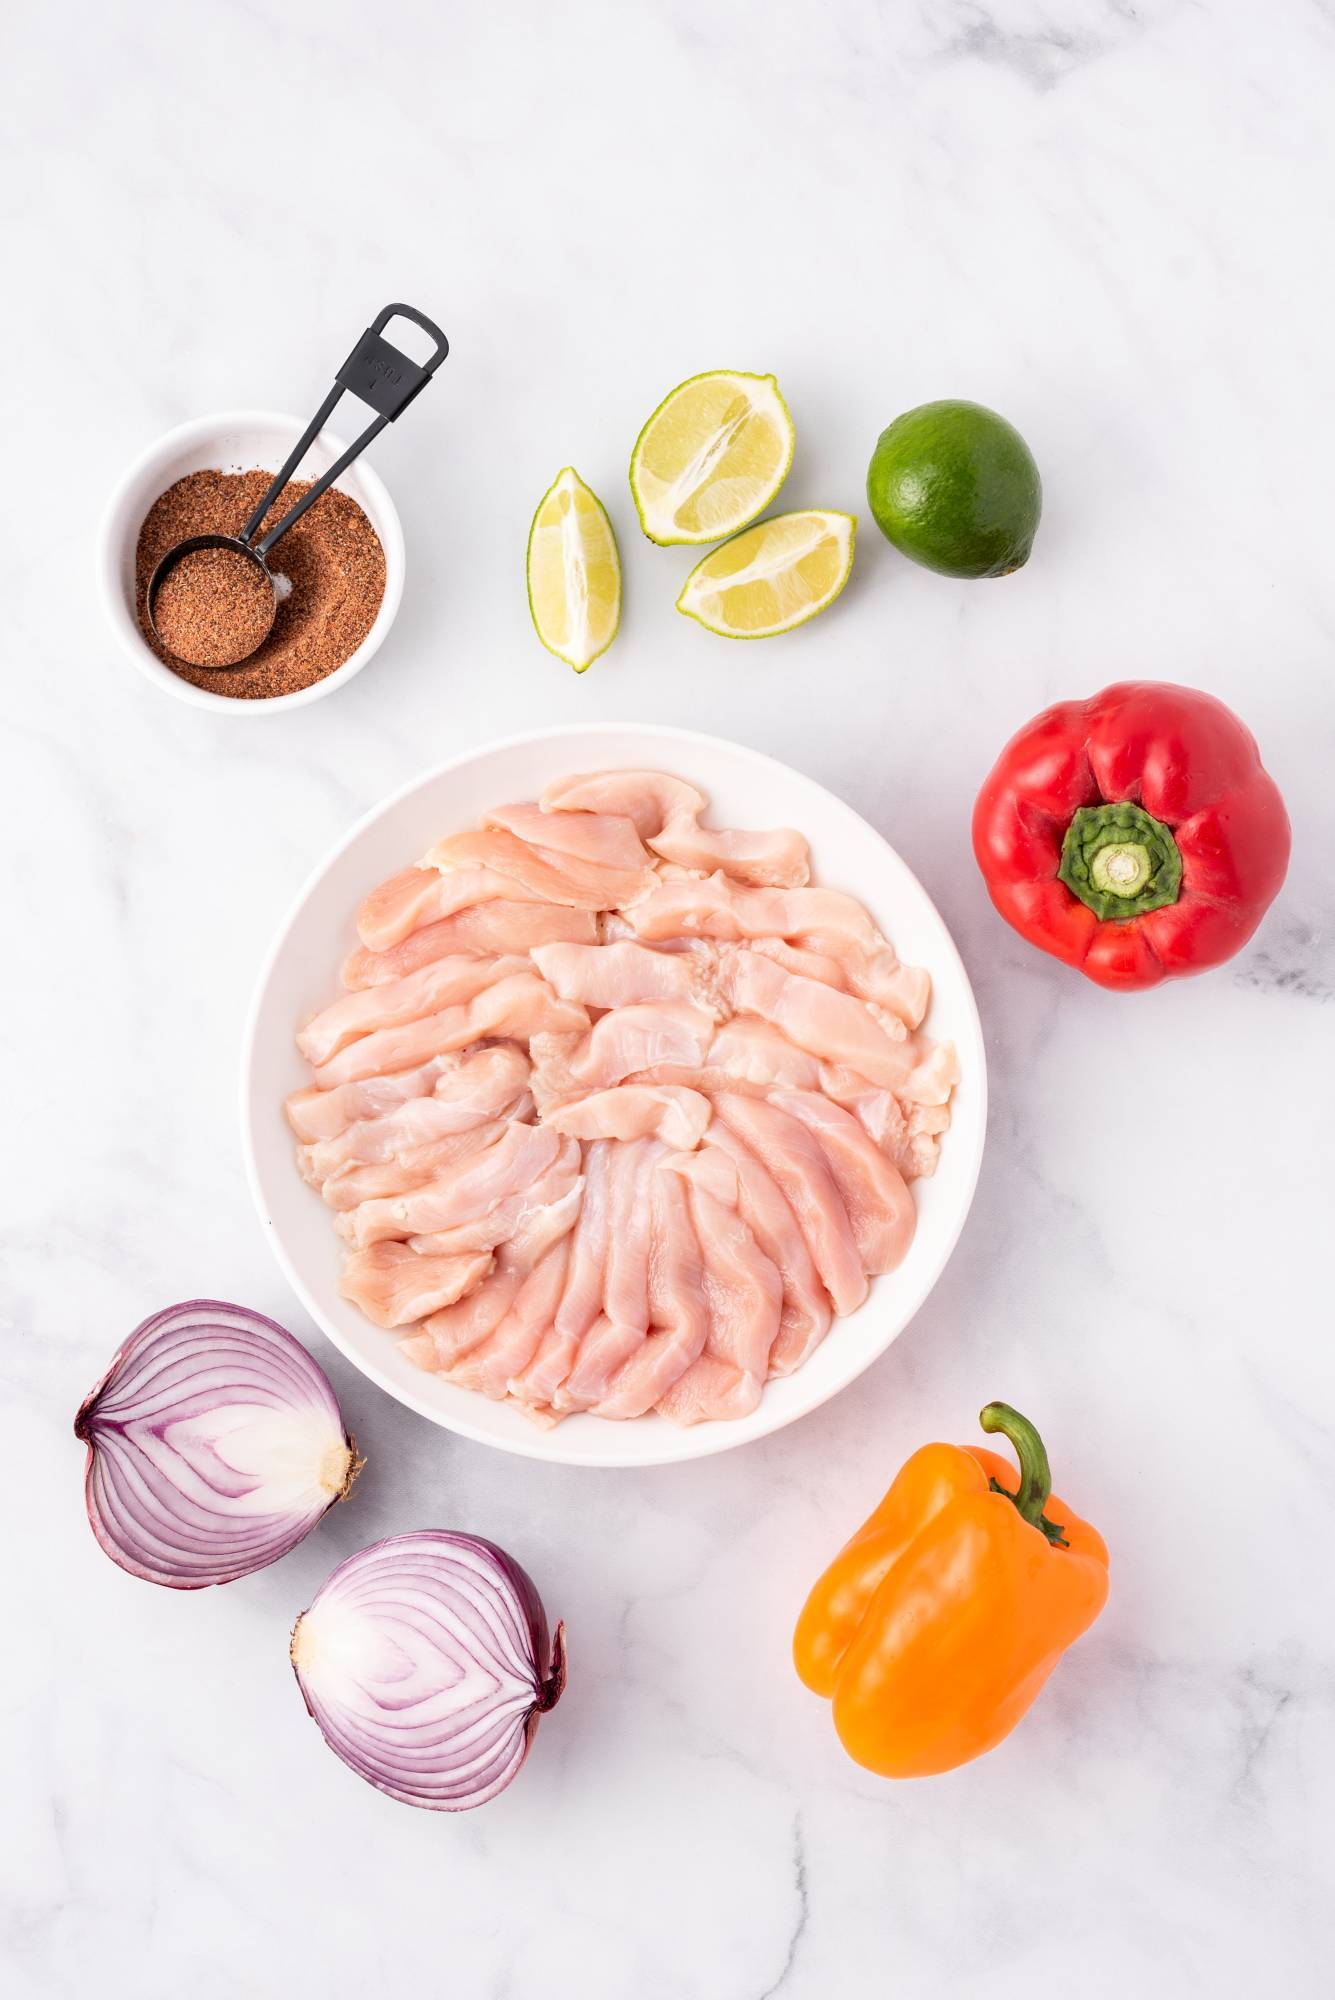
(1112, 221)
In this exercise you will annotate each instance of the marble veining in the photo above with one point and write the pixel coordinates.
(1110, 221)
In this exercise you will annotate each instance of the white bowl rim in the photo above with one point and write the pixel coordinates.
(388, 527)
(699, 1440)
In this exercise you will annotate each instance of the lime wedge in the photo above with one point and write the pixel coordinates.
(574, 572)
(772, 578)
(712, 455)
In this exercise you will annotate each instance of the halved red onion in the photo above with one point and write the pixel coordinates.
(426, 1663)
(214, 1444)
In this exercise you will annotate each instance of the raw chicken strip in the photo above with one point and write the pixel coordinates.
(582, 1298)
(393, 1286)
(517, 1215)
(744, 1297)
(779, 859)
(827, 921)
(647, 798)
(489, 1366)
(512, 1009)
(483, 1084)
(797, 958)
(423, 895)
(794, 1159)
(763, 1207)
(900, 992)
(460, 1329)
(618, 975)
(931, 1072)
(448, 982)
(624, 1322)
(485, 929)
(609, 839)
(457, 1329)
(413, 1168)
(833, 1026)
(880, 1207)
(621, 1043)
(752, 1052)
(552, 877)
(677, 1310)
(317, 1114)
(512, 1163)
(635, 1111)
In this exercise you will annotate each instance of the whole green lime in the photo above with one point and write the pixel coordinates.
(955, 487)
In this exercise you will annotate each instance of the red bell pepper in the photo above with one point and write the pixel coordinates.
(1135, 836)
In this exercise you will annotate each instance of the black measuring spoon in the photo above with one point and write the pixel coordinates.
(381, 376)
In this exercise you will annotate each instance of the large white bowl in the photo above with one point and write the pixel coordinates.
(745, 789)
(236, 441)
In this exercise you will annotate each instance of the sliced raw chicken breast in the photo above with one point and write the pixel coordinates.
(744, 1299)
(485, 1084)
(616, 1111)
(582, 1298)
(620, 975)
(901, 992)
(514, 1009)
(446, 982)
(647, 798)
(350, 1186)
(879, 1205)
(512, 1163)
(518, 1215)
(488, 930)
(458, 1328)
(678, 1314)
(833, 1026)
(316, 1114)
(508, 1349)
(635, 1111)
(794, 1159)
(780, 859)
(826, 922)
(461, 1329)
(393, 1286)
(423, 895)
(617, 1046)
(609, 839)
(763, 1207)
(552, 877)
(624, 1321)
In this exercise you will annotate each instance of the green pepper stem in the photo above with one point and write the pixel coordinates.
(1035, 1473)
(1120, 861)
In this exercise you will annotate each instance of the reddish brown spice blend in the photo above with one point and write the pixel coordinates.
(213, 608)
(332, 558)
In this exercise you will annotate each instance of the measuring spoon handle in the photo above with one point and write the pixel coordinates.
(379, 374)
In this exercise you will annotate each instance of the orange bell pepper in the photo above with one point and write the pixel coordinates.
(935, 1627)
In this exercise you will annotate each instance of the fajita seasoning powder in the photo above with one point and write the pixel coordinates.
(331, 557)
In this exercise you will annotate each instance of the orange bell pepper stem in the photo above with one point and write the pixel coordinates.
(934, 1628)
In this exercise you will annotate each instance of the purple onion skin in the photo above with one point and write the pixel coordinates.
(85, 1429)
(553, 1650)
(548, 1654)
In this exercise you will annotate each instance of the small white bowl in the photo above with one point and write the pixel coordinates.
(236, 441)
(744, 789)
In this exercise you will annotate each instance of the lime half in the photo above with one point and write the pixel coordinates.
(574, 572)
